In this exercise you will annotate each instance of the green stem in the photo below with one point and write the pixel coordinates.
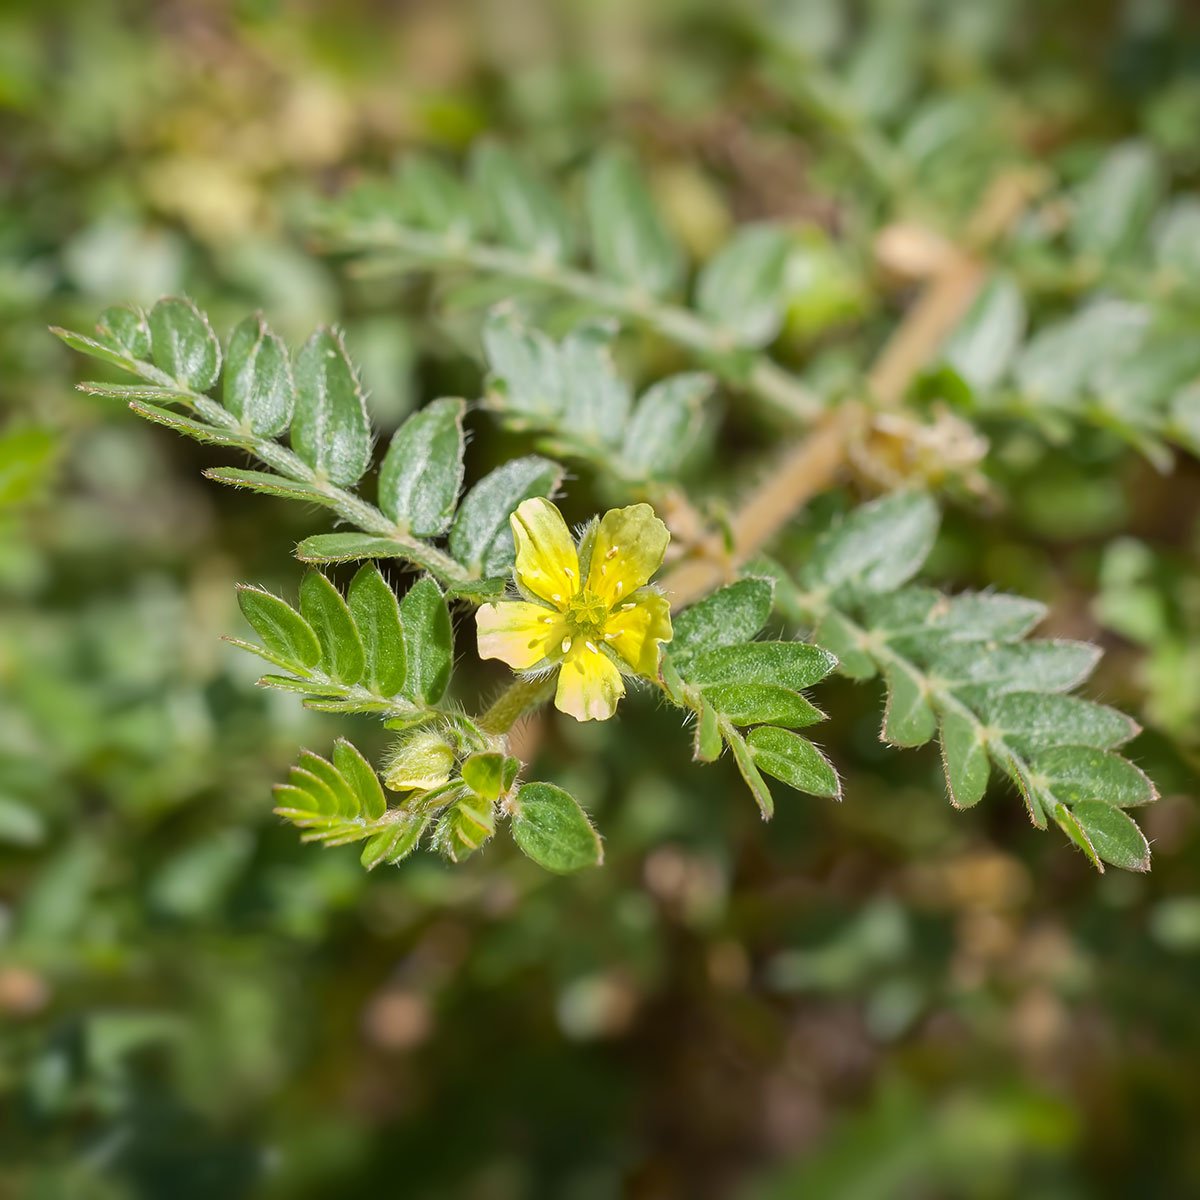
(521, 696)
(794, 604)
(765, 379)
(345, 503)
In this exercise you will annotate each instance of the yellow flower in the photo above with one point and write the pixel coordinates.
(594, 622)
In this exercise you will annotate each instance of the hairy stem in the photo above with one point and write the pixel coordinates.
(346, 504)
(521, 696)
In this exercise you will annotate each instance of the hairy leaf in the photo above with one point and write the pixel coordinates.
(423, 469)
(480, 537)
(322, 606)
(330, 429)
(283, 630)
(258, 387)
(376, 613)
(428, 641)
(183, 344)
(793, 760)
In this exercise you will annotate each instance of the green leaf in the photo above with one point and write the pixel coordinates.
(1116, 838)
(550, 828)
(1056, 364)
(310, 767)
(665, 425)
(322, 606)
(484, 774)
(982, 347)
(1040, 666)
(423, 469)
(1177, 239)
(630, 242)
(302, 687)
(348, 547)
(708, 742)
(259, 389)
(428, 641)
(840, 637)
(183, 344)
(20, 824)
(397, 841)
(526, 214)
(750, 773)
(878, 547)
(741, 289)
(420, 761)
(793, 760)
(597, 397)
(464, 827)
(1067, 822)
(189, 428)
(1077, 773)
(1032, 721)
(127, 328)
(525, 376)
(480, 537)
(761, 703)
(360, 777)
(270, 485)
(330, 428)
(95, 349)
(434, 198)
(908, 718)
(794, 665)
(283, 630)
(731, 614)
(964, 759)
(1114, 206)
(376, 613)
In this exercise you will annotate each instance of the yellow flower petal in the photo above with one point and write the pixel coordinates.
(547, 564)
(517, 632)
(589, 684)
(635, 629)
(629, 548)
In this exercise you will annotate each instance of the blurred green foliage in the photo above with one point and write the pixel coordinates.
(883, 997)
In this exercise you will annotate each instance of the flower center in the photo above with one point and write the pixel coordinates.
(586, 614)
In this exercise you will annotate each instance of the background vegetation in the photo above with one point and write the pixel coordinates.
(877, 998)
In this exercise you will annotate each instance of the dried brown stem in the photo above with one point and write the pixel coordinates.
(813, 464)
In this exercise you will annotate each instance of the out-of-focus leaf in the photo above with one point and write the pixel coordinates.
(630, 242)
(741, 288)
(983, 345)
(1114, 206)
(523, 209)
(665, 424)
